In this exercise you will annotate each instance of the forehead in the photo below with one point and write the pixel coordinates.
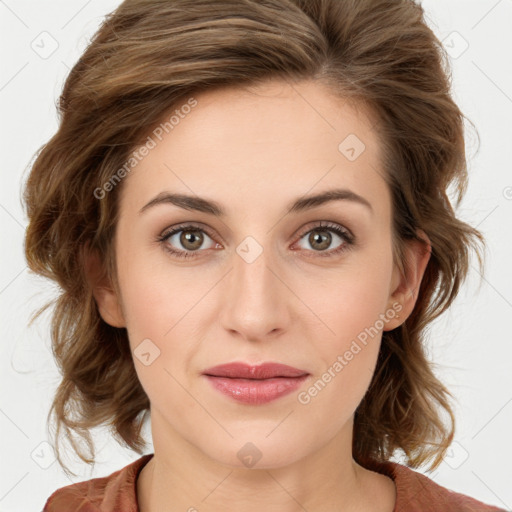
(267, 143)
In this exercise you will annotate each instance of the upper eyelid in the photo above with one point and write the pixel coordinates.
(184, 226)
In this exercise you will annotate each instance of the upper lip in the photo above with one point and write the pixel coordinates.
(246, 371)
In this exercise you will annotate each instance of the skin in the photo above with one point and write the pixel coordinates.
(254, 151)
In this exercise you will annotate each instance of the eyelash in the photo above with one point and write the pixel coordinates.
(345, 235)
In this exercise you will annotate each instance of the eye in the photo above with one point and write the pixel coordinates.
(320, 238)
(189, 239)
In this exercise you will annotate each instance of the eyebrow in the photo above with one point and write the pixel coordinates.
(199, 204)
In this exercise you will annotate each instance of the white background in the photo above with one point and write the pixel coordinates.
(471, 344)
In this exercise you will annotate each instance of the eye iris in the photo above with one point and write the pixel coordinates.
(193, 238)
(322, 237)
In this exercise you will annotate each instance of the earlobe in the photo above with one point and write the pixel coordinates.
(406, 285)
(104, 294)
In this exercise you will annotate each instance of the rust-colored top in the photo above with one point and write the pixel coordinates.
(117, 493)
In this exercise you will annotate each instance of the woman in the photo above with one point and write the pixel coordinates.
(245, 207)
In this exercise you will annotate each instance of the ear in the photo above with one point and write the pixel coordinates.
(405, 286)
(104, 294)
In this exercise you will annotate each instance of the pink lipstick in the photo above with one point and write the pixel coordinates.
(255, 384)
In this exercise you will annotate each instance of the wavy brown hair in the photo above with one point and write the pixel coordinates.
(150, 56)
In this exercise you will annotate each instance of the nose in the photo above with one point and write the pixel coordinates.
(257, 299)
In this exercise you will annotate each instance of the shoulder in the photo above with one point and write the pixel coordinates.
(106, 494)
(418, 493)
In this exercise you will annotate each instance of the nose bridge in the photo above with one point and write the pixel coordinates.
(256, 297)
(253, 281)
(251, 267)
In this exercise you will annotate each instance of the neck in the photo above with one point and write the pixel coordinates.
(184, 478)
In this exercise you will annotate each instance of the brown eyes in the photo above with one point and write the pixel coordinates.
(191, 237)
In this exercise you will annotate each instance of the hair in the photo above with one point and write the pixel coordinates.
(150, 56)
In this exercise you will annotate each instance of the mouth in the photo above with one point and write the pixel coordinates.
(255, 384)
(247, 371)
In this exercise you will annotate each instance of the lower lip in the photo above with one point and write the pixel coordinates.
(251, 391)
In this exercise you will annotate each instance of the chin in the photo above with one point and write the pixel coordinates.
(257, 451)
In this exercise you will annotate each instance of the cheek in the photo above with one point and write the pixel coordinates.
(155, 307)
(352, 304)
(352, 300)
(155, 296)
(163, 307)
(346, 363)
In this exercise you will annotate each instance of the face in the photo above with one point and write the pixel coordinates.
(312, 287)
